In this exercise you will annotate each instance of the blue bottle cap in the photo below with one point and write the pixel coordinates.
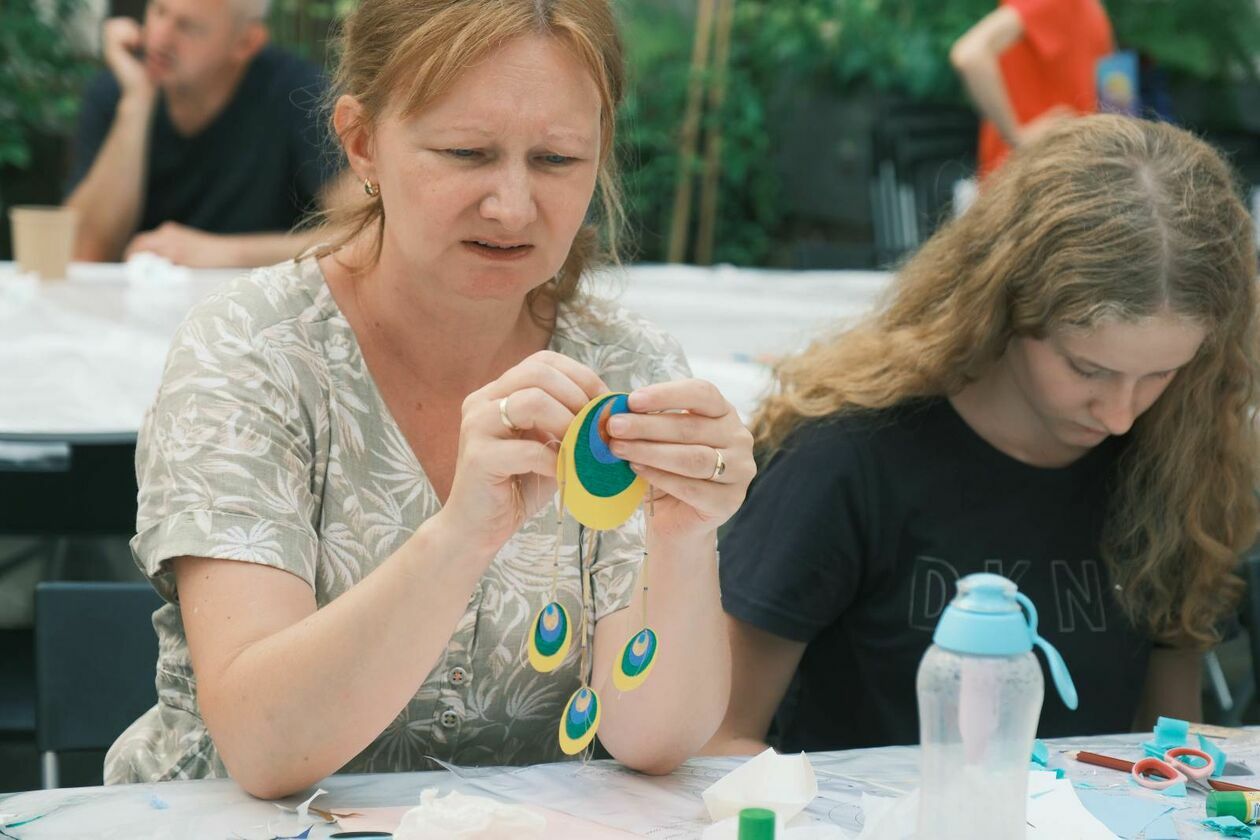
(986, 619)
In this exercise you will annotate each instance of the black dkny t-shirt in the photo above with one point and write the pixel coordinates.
(852, 539)
(256, 168)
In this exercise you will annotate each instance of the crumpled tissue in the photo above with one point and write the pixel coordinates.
(457, 816)
(147, 268)
(783, 783)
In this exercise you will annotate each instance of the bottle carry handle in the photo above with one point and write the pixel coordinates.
(1058, 668)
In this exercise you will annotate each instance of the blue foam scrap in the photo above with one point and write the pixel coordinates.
(1171, 732)
(1218, 755)
(1040, 753)
(1229, 826)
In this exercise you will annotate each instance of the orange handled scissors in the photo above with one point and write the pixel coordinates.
(1180, 764)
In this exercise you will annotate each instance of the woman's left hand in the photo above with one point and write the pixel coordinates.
(675, 436)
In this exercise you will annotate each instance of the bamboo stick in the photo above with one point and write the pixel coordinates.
(681, 218)
(713, 140)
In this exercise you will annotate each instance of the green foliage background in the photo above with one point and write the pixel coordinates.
(40, 76)
(895, 48)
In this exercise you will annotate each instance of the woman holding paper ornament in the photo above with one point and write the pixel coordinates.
(1060, 389)
(348, 479)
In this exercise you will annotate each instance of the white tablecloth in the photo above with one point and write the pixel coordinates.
(82, 358)
(663, 808)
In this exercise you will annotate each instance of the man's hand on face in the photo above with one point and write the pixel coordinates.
(123, 39)
(184, 245)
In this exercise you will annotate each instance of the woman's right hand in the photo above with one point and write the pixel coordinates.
(503, 477)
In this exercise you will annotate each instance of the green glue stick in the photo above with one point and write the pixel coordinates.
(1234, 803)
(756, 824)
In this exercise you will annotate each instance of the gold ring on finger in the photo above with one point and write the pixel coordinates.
(505, 418)
(719, 468)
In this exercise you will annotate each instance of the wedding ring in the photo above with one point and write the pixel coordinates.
(503, 415)
(719, 468)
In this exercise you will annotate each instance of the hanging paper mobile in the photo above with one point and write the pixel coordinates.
(601, 492)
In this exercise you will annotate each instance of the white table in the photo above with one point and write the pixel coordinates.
(603, 793)
(81, 359)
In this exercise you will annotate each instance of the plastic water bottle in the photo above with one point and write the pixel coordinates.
(980, 691)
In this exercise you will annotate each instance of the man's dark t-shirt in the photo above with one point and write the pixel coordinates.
(852, 539)
(257, 167)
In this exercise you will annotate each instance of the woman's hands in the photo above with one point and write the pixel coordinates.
(672, 439)
(504, 476)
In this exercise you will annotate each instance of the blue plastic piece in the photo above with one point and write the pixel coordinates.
(985, 619)
(1218, 755)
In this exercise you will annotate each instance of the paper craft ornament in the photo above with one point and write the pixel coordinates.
(601, 492)
(600, 489)
(579, 721)
(636, 661)
(550, 639)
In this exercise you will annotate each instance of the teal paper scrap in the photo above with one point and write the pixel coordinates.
(1229, 826)
(1177, 790)
(1040, 753)
(1218, 755)
(1162, 829)
(1171, 732)
(1125, 816)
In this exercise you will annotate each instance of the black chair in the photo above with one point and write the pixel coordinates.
(919, 151)
(95, 657)
(17, 684)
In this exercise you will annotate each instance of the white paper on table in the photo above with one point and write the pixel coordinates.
(1058, 814)
(1054, 813)
(303, 810)
(1041, 781)
(783, 783)
(459, 815)
(666, 807)
(889, 818)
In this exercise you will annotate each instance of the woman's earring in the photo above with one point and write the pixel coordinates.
(372, 190)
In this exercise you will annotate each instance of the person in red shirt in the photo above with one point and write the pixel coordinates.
(1029, 64)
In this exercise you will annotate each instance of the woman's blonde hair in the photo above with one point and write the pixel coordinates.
(1104, 219)
(404, 54)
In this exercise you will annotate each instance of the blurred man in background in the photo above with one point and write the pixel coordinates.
(1029, 64)
(201, 143)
